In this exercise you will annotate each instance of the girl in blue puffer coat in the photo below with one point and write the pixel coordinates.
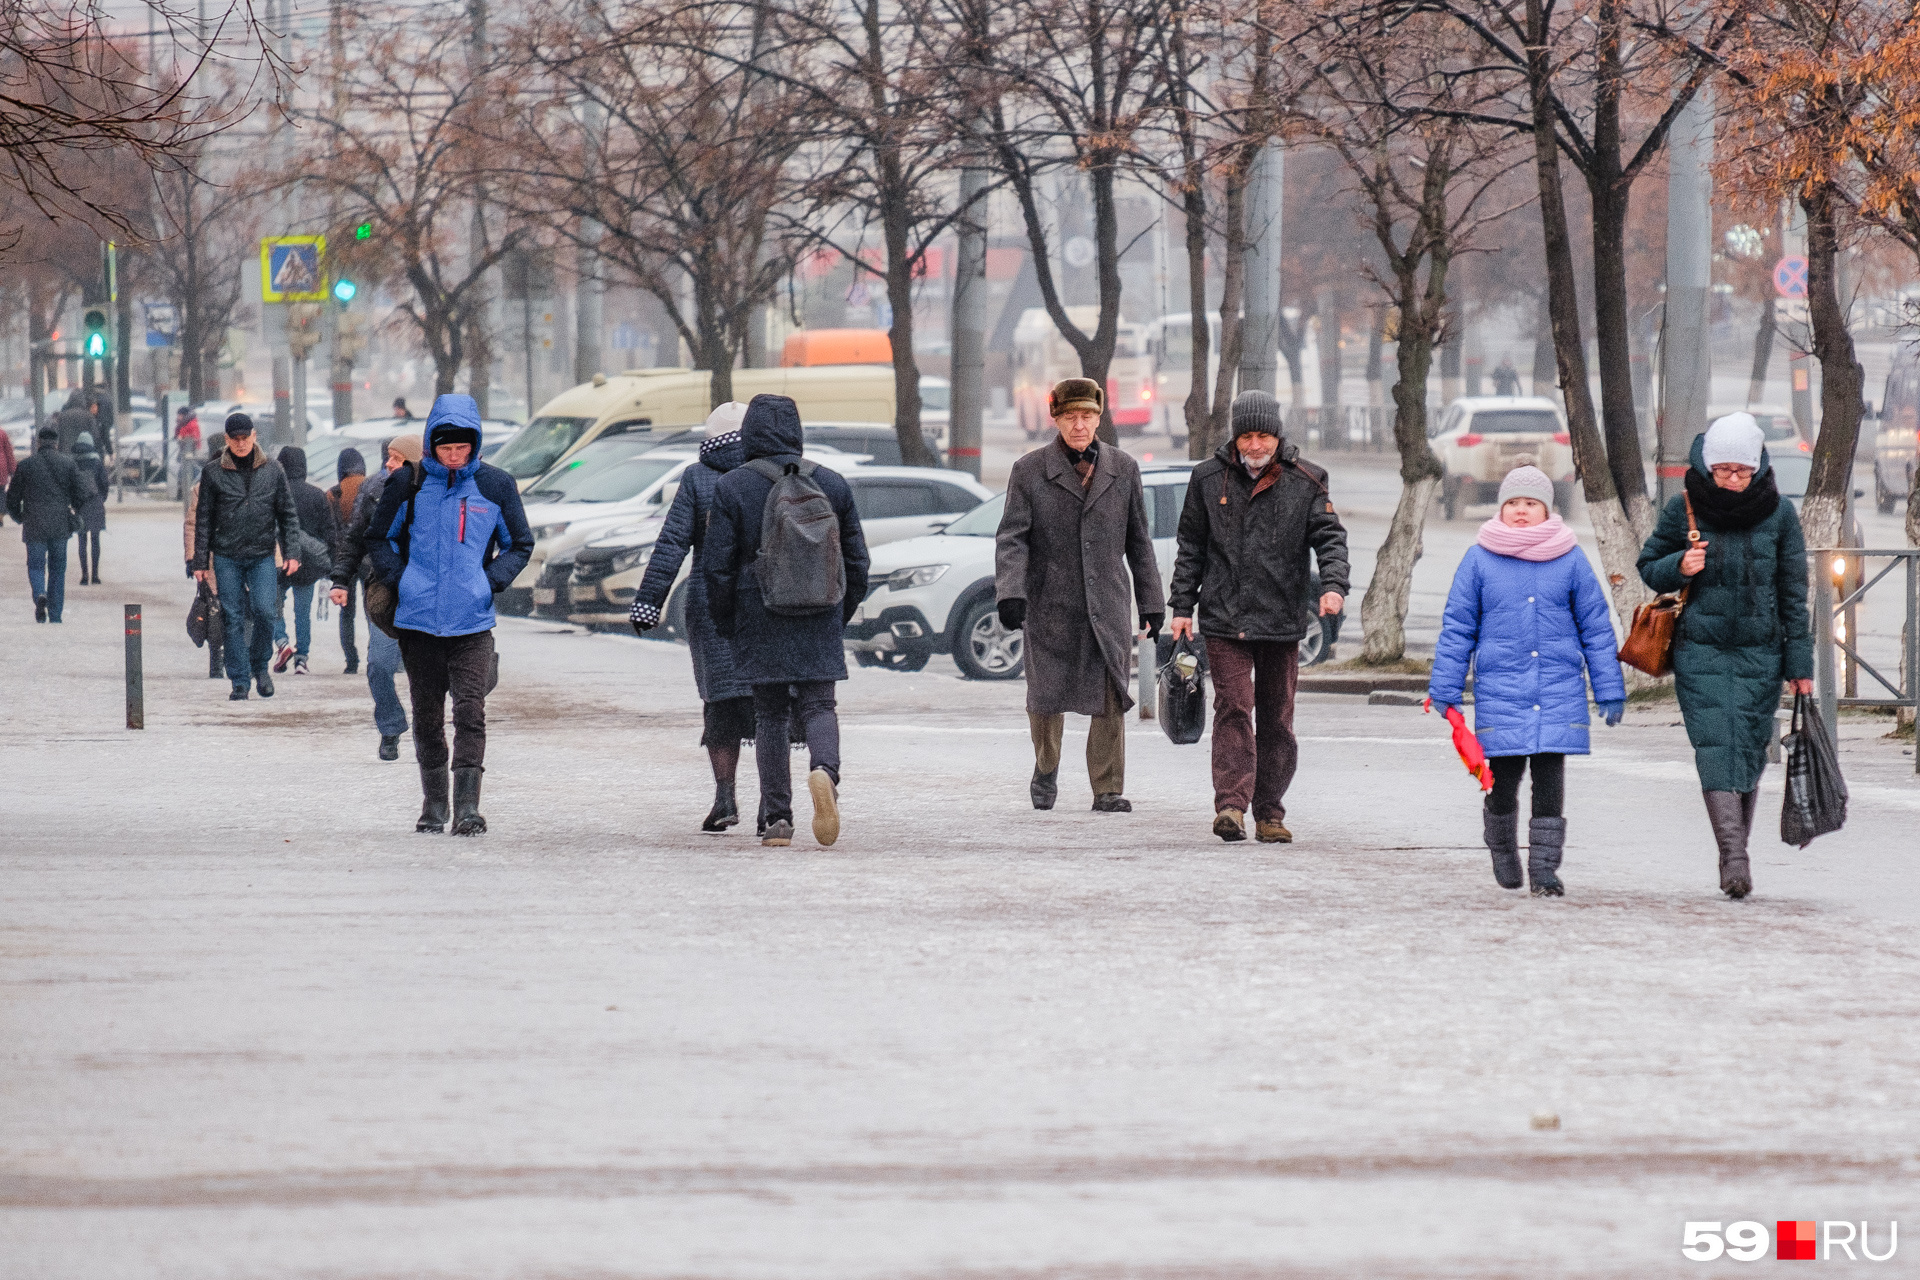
(1527, 612)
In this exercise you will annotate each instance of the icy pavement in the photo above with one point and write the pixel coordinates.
(253, 1026)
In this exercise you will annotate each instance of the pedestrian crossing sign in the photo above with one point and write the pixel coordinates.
(293, 269)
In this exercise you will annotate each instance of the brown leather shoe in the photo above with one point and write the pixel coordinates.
(1230, 825)
(1272, 831)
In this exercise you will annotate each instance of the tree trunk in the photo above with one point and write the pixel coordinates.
(1762, 352)
(1233, 292)
(1096, 361)
(1383, 611)
(1620, 418)
(1376, 397)
(906, 369)
(1327, 305)
(1619, 543)
(1198, 408)
(1841, 378)
(1290, 348)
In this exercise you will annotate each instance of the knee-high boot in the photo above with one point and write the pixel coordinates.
(1731, 813)
(1502, 831)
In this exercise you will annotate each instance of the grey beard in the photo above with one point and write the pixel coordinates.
(1255, 468)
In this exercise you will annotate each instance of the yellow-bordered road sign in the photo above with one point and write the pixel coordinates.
(293, 269)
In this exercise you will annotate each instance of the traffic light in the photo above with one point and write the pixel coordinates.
(363, 232)
(344, 291)
(94, 345)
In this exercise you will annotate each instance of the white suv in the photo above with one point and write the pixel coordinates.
(935, 594)
(1481, 438)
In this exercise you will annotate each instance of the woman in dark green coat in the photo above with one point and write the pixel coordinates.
(1745, 628)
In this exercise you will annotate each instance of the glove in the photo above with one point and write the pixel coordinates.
(1013, 613)
(189, 570)
(1152, 621)
(1614, 710)
(644, 617)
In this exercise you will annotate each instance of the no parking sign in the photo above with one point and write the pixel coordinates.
(1790, 277)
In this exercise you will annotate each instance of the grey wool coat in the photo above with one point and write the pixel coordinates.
(1067, 552)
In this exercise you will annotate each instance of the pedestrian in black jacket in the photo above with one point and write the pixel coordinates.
(244, 509)
(1255, 516)
(791, 662)
(93, 517)
(316, 519)
(45, 499)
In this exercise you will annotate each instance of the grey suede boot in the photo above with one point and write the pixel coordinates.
(1503, 841)
(433, 804)
(1731, 813)
(466, 803)
(1546, 838)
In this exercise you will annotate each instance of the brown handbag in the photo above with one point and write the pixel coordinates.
(1649, 643)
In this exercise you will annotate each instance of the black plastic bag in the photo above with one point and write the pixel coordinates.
(1181, 697)
(1816, 793)
(201, 616)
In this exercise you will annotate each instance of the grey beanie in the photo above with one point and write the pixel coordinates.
(1527, 482)
(1257, 411)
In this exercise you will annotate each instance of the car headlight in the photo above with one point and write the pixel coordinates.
(549, 530)
(632, 558)
(920, 576)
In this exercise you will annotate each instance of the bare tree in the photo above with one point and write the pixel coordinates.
(702, 113)
(1395, 94)
(406, 155)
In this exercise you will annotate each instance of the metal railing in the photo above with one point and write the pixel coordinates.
(1841, 581)
(1342, 428)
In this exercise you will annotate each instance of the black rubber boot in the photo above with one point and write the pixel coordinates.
(1045, 788)
(725, 813)
(1502, 831)
(433, 807)
(1730, 812)
(1546, 839)
(466, 803)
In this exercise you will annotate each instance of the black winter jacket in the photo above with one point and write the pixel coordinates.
(46, 492)
(243, 510)
(1243, 559)
(311, 505)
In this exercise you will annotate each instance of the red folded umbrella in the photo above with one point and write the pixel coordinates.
(1468, 746)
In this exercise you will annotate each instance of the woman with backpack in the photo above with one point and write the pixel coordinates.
(319, 533)
(93, 516)
(726, 702)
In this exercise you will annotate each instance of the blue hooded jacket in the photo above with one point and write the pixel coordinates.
(468, 537)
(1535, 632)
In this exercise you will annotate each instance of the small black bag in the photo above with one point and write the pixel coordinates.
(1816, 800)
(200, 616)
(1180, 700)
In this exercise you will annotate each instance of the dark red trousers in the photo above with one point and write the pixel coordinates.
(1254, 750)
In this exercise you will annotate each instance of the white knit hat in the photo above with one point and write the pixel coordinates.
(1527, 482)
(1736, 438)
(726, 417)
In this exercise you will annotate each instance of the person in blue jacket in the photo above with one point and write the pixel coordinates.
(1527, 612)
(452, 534)
(791, 662)
(726, 702)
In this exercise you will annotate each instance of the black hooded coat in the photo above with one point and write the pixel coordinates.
(772, 648)
(684, 531)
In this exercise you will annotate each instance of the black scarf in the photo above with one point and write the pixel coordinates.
(1089, 454)
(1730, 511)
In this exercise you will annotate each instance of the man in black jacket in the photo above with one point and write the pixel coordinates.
(44, 499)
(1254, 512)
(244, 507)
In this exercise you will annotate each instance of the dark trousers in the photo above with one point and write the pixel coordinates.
(90, 567)
(1549, 783)
(1254, 750)
(773, 704)
(347, 645)
(442, 665)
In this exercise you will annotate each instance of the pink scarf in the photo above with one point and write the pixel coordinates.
(1548, 540)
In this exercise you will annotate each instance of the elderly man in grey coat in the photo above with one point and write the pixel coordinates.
(1075, 523)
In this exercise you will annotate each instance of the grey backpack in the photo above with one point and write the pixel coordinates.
(799, 568)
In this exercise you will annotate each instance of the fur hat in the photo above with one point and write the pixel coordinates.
(1076, 393)
(1527, 482)
(1257, 411)
(1736, 438)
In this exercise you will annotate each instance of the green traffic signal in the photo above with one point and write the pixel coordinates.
(93, 346)
(344, 291)
(363, 232)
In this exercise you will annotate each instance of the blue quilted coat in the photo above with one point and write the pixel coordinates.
(1535, 632)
